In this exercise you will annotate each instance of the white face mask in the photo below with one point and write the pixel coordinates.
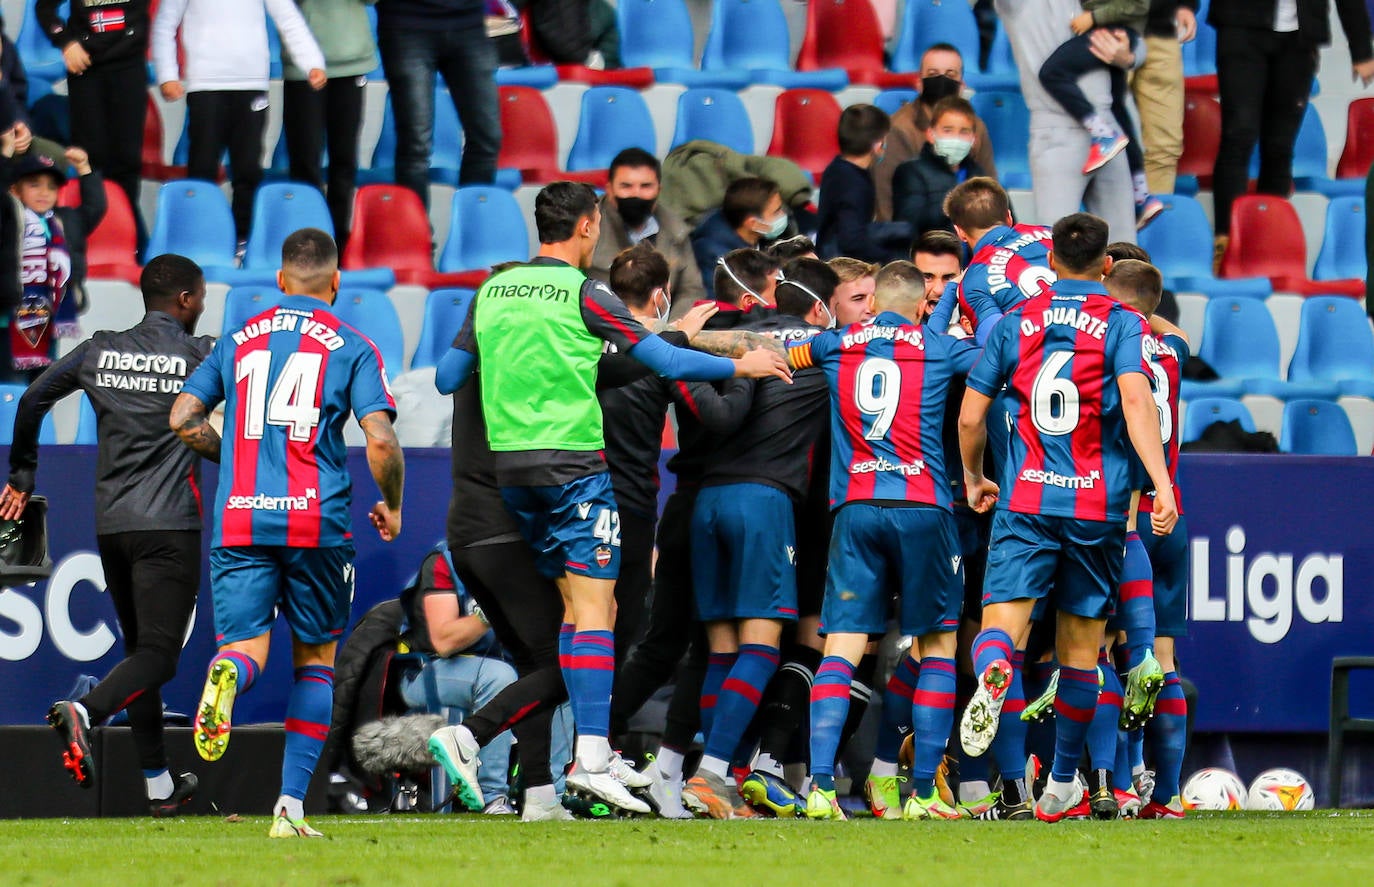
(953, 150)
(662, 309)
(774, 229)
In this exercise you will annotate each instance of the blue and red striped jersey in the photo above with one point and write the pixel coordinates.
(1008, 265)
(888, 379)
(1059, 355)
(289, 380)
(1165, 356)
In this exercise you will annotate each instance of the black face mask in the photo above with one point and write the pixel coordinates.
(634, 210)
(938, 86)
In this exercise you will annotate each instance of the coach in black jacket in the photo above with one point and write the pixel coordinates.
(1266, 59)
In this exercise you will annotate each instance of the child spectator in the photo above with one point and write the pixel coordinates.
(846, 226)
(750, 213)
(1059, 75)
(919, 186)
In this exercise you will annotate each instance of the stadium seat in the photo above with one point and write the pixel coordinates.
(806, 129)
(535, 154)
(1335, 344)
(152, 163)
(112, 248)
(925, 22)
(193, 219)
(85, 423)
(1360, 412)
(371, 313)
(274, 70)
(1201, 139)
(1241, 343)
(846, 35)
(657, 34)
(1180, 245)
(445, 311)
(1008, 122)
(752, 36)
(716, 115)
(9, 406)
(243, 303)
(1316, 428)
(1203, 411)
(892, 99)
(42, 60)
(1310, 160)
(1200, 56)
(1342, 254)
(634, 78)
(534, 76)
(613, 118)
(1001, 72)
(487, 228)
(278, 209)
(391, 230)
(1358, 154)
(1267, 241)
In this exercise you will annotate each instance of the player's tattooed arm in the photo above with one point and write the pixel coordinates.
(190, 420)
(735, 343)
(388, 465)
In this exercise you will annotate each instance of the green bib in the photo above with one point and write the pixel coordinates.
(537, 361)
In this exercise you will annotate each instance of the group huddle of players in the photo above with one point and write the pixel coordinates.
(845, 464)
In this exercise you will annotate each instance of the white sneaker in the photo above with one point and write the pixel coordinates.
(538, 811)
(456, 751)
(1057, 800)
(498, 806)
(604, 787)
(666, 794)
(979, 725)
(624, 771)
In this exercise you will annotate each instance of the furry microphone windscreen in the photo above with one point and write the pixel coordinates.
(396, 744)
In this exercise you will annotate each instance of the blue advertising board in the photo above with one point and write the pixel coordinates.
(1281, 560)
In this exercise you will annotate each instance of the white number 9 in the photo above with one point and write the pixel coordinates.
(877, 393)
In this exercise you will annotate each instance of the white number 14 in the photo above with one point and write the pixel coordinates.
(292, 401)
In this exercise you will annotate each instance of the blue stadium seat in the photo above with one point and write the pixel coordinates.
(892, 99)
(1008, 122)
(1200, 53)
(936, 21)
(1203, 411)
(86, 423)
(273, 50)
(243, 303)
(445, 311)
(658, 34)
(278, 209)
(486, 228)
(9, 405)
(1342, 254)
(1316, 428)
(42, 60)
(1310, 161)
(193, 219)
(1240, 342)
(714, 114)
(536, 76)
(1180, 245)
(445, 156)
(371, 313)
(1001, 72)
(752, 36)
(1335, 344)
(613, 118)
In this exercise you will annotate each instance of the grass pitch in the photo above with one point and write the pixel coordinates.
(1324, 847)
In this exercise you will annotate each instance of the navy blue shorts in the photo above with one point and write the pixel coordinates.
(313, 587)
(1169, 560)
(744, 554)
(1079, 560)
(877, 552)
(573, 527)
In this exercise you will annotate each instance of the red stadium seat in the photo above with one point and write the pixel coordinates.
(153, 134)
(1358, 154)
(635, 78)
(1267, 241)
(112, 248)
(806, 129)
(846, 34)
(531, 142)
(391, 230)
(1201, 136)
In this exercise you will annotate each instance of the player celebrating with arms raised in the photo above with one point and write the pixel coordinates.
(1071, 360)
(288, 378)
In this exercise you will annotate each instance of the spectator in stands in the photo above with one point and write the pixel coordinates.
(1158, 88)
(104, 46)
(631, 214)
(1266, 61)
(798, 246)
(852, 301)
(919, 186)
(227, 68)
(462, 670)
(419, 38)
(315, 118)
(1058, 142)
(751, 212)
(845, 223)
(563, 29)
(46, 288)
(942, 75)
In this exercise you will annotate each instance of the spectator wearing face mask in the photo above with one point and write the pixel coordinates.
(919, 186)
(751, 213)
(631, 214)
(846, 226)
(942, 76)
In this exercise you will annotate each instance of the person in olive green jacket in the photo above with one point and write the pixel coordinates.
(331, 116)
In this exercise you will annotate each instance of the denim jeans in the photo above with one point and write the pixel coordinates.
(467, 61)
(457, 687)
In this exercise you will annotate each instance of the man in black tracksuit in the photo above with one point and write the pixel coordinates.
(148, 515)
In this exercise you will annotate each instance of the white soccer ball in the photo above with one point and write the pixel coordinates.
(1280, 789)
(1213, 788)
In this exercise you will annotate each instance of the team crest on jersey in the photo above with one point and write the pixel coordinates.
(603, 556)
